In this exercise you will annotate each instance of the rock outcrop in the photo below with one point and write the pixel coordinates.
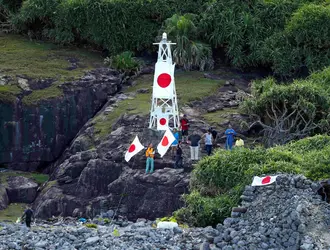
(288, 214)
(21, 189)
(87, 182)
(35, 135)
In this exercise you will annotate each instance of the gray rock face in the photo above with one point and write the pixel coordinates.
(92, 181)
(4, 201)
(21, 189)
(283, 215)
(149, 196)
(38, 134)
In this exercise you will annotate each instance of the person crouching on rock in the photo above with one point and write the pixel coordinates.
(178, 156)
(28, 215)
(150, 153)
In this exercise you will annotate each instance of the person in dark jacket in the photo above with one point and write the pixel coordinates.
(178, 156)
(194, 145)
(28, 215)
(214, 135)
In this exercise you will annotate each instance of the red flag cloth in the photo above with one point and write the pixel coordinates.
(262, 181)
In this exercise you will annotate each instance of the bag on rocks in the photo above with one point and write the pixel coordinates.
(167, 224)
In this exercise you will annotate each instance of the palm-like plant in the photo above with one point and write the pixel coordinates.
(189, 52)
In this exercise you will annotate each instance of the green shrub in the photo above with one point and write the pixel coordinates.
(284, 34)
(11, 5)
(119, 25)
(321, 78)
(218, 181)
(91, 225)
(315, 143)
(222, 171)
(204, 211)
(266, 32)
(116, 233)
(303, 42)
(124, 62)
(289, 112)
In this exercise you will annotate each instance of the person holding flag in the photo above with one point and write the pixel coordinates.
(150, 154)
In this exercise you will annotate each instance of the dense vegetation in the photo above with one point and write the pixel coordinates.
(291, 111)
(287, 35)
(217, 181)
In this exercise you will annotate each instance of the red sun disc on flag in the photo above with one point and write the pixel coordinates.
(266, 180)
(131, 148)
(164, 80)
(162, 121)
(165, 141)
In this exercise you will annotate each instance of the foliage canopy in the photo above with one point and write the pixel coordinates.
(290, 111)
(287, 35)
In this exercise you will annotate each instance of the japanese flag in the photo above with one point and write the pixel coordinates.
(165, 143)
(133, 149)
(163, 80)
(162, 122)
(262, 181)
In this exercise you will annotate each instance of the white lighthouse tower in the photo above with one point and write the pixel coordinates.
(164, 111)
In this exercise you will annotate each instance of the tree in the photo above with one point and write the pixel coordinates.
(288, 112)
(189, 52)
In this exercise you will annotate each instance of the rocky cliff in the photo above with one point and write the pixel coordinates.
(89, 182)
(92, 177)
(34, 134)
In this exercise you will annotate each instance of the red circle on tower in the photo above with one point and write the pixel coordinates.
(131, 148)
(162, 121)
(164, 80)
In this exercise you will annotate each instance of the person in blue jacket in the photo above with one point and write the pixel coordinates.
(230, 133)
(175, 143)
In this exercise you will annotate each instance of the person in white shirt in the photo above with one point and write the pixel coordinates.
(208, 142)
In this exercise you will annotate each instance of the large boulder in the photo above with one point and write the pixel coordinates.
(21, 189)
(4, 201)
(150, 196)
(53, 202)
(136, 194)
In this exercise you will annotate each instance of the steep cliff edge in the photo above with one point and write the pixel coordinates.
(47, 93)
(33, 136)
